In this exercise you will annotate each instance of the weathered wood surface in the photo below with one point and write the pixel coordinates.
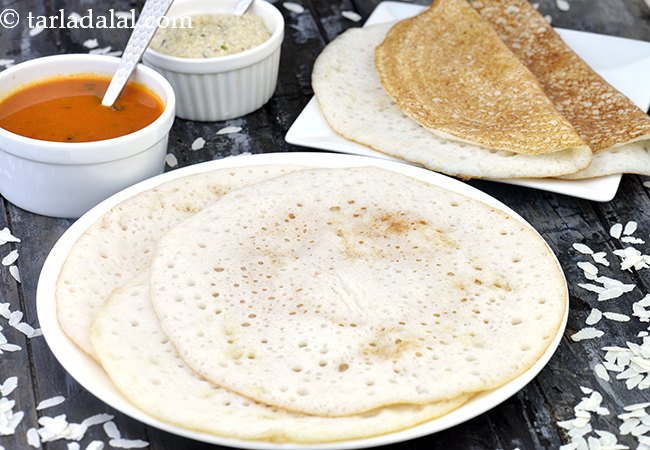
(527, 420)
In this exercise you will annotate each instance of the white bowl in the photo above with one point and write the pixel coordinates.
(62, 179)
(220, 88)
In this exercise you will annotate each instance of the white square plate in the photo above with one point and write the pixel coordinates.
(624, 63)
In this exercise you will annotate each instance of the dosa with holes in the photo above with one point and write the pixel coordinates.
(355, 105)
(338, 291)
(121, 243)
(615, 129)
(146, 367)
(448, 70)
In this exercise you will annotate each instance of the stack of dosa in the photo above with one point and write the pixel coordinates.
(494, 97)
(309, 305)
(120, 245)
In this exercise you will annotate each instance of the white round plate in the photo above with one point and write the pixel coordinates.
(90, 375)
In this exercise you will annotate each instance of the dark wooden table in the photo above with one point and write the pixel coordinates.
(528, 420)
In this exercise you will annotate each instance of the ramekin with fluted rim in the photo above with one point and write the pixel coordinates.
(62, 179)
(225, 87)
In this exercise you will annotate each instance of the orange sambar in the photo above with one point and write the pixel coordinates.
(69, 109)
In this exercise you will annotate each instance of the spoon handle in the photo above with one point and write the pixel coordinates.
(241, 7)
(142, 34)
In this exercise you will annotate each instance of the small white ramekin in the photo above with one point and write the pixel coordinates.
(220, 88)
(62, 179)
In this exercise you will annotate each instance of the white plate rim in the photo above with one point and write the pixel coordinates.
(600, 189)
(73, 359)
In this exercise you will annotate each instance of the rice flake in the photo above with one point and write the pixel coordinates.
(229, 130)
(95, 445)
(171, 160)
(632, 240)
(50, 402)
(25, 329)
(14, 272)
(128, 443)
(6, 236)
(616, 317)
(600, 258)
(11, 258)
(582, 248)
(641, 309)
(616, 230)
(587, 333)
(4, 310)
(352, 16)
(562, 5)
(97, 419)
(592, 287)
(198, 143)
(111, 430)
(90, 43)
(610, 294)
(594, 317)
(293, 7)
(10, 348)
(36, 31)
(15, 317)
(588, 268)
(601, 372)
(37, 332)
(33, 439)
(630, 228)
(9, 385)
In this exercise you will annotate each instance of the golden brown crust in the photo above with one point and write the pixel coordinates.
(602, 116)
(448, 70)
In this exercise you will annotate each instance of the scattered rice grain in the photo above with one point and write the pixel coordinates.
(198, 143)
(616, 230)
(587, 333)
(11, 258)
(50, 402)
(293, 7)
(351, 15)
(229, 130)
(171, 160)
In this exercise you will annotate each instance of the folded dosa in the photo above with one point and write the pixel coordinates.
(447, 69)
(615, 129)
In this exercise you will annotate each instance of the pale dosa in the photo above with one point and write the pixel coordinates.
(337, 291)
(145, 366)
(355, 105)
(448, 70)
(607, 120)
(120, 244)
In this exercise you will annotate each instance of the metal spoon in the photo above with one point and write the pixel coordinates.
(242, 6)
(143, 32)
(144, 29)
